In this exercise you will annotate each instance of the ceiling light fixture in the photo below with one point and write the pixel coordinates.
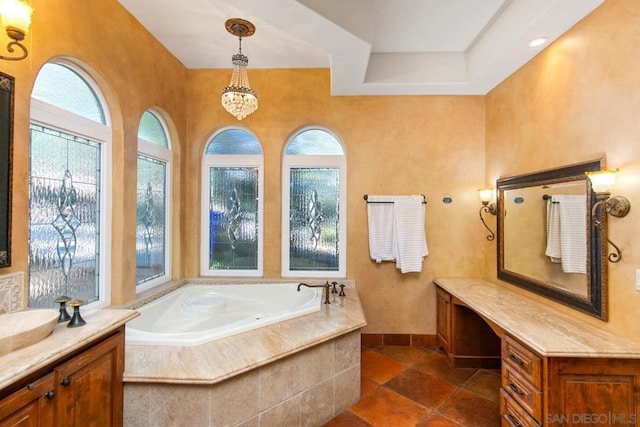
(238, 98)
(16, 18)
(537, 42)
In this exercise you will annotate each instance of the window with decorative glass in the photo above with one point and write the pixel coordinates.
(314, 199)
(69, 168)
(152, 207)
(232, 188)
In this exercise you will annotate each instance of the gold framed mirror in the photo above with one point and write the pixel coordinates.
(547, 242)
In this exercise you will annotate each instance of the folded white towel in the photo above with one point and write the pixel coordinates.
(573, 233)
(409, 236)
(381, 219)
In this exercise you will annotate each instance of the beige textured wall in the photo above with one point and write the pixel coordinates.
(134, 73)
(579, 100)
(394, 145)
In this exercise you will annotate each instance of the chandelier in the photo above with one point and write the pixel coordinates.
(238, 98)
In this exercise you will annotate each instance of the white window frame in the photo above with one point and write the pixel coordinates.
(154, 151)
(314, 161)
(237, 161)
(52, 117)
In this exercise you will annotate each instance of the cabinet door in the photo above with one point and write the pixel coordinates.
(594, 392)
(443, 326)
(90, 386)
(31, 406)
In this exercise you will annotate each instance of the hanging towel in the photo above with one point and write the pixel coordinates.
(381, 219)
(409, 237)
(553, 230)
(573, 233)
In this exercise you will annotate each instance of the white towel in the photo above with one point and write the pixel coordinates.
(553, 230)
(381, 219)
(409, 236)
(396, 231)
(573, 233)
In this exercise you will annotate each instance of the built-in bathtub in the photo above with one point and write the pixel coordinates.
(197, 313)
(299, 371)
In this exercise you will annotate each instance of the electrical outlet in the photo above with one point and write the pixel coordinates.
(637, 279)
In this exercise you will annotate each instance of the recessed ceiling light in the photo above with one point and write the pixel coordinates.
(539, 41)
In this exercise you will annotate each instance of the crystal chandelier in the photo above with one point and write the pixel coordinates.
(238, 98)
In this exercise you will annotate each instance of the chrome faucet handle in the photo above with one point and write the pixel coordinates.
(342, 294)
(334, 290)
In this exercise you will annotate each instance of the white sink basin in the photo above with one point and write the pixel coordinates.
(23, 328)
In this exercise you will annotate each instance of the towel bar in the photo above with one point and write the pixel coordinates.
(366, 197)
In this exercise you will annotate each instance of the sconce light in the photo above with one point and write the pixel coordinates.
(16, 18)
(486, 194)
(602, 183)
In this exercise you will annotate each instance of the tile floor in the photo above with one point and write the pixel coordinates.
(416, 387)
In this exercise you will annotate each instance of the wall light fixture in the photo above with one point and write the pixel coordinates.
(602, 183)
(16, 18)
(486, 195)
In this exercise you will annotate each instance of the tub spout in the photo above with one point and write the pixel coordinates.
(326, 290)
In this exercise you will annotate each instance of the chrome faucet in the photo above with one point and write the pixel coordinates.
(326, 290)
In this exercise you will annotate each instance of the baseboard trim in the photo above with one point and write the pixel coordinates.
(413, 340)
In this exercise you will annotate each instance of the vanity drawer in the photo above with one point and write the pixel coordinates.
(522, 391)
(512, 415)
(526, 363)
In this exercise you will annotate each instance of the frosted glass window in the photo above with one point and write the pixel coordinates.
(233, 218)
(314, 219)
(152, 130)
(317, 142)
(234, 141)
(152, 207)
(232, 186)
(64, 212)
(63, 87)
(152, 215)
(314, 205)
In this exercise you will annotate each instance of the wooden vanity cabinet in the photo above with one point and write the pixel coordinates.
(539, 390)
(83, 389)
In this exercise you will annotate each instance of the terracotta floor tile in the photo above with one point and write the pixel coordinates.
(408, 355)
(486, 384)
(378, 367)
(367, 385)
(438, 366)
(384, 408)
(423, 388)
(471, 410)
(347, 419)
(437, 420)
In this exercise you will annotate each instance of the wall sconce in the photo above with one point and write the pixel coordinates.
(602, 183)
(16, 18)
(486, 194)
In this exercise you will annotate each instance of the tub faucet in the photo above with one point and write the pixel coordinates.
(326, 290)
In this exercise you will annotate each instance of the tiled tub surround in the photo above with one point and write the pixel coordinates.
(302, 371)
(11, 292)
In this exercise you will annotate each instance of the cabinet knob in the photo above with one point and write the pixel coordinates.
(65, 382)
(50, 395)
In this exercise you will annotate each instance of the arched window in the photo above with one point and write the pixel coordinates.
(68, 202)
(152, 207)
(232, 188)
(314, 195)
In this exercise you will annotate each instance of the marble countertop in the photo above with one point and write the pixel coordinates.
(63, 341)
(224, 358)
(539, 326)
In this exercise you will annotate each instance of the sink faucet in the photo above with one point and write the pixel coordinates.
(326, 290)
